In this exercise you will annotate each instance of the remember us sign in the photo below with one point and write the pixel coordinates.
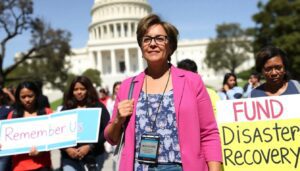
(48, 132)
(260, 133)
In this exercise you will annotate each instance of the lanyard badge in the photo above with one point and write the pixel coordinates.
(148, 148)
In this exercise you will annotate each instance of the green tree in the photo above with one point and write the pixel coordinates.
(44, 60)
(94, 75)
(229, 49)
(68, 81)
(278, 24)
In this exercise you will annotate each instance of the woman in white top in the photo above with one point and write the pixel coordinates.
(111, 102)
(230, 89)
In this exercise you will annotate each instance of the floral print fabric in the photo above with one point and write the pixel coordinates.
(163, 123)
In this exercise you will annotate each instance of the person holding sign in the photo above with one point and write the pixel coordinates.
(82, 94)
(169, 124)
(28, 105)
(272, 62)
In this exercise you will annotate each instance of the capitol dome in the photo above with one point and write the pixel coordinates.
(116, 19)
(112, 47)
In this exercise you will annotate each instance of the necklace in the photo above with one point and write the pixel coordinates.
(160, 101)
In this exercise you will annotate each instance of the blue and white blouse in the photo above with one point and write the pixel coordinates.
(165, 126)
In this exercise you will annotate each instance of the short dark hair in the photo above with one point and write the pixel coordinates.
(267, 53)
(256, 75)
(114, 87)
(188, 64)
(153, 19)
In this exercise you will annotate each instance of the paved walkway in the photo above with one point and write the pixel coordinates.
(55, 157)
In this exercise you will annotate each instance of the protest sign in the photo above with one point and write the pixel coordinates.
(62, 130)
(88, 125)
(19, 135)
(48, 132)
(260, 133)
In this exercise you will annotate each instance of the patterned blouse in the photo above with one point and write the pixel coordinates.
(165, 126)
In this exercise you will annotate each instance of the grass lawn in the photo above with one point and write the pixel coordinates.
(55, 104)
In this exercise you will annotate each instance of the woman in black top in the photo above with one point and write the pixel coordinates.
(82, 94)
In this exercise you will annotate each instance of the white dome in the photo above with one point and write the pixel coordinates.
(114, 19)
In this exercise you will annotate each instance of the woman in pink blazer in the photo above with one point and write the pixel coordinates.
(169, 122)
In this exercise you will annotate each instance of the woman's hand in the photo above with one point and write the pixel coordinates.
(83, 151)
(225, 87)
(214, 166)
(125, 109)
(72, 152)
(33, 152)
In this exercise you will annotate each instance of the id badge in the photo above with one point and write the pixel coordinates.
(148, 149)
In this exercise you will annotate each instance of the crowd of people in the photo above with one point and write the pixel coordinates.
(167, 101)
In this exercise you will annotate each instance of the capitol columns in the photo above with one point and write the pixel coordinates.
(115, 29)
(122, 30)
(127, 60)
(96, 33)
(100, 68)
(107, 31)
(129, 31)
(101, 32)
(113, 61)
(140, 59)
(135, 25)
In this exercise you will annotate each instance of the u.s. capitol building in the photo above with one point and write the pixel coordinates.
(113, 50)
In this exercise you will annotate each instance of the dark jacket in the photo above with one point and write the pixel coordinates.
(4, 110)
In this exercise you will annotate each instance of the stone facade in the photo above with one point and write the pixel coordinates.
(113, 50)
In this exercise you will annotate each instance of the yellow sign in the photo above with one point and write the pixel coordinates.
(260, 134)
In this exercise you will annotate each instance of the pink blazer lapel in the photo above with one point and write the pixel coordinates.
(139, 79)
(178, 88)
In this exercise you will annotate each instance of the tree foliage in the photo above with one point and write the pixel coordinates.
(229, 49)
(93, 75)
(68, 81)
(45, 59)
(278, 24)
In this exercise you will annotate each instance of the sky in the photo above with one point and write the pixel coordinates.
(195, 19)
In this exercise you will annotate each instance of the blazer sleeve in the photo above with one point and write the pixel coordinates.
(210, 139)
(104, 121)
(121, 95)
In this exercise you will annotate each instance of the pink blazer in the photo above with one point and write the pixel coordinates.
(198, 132)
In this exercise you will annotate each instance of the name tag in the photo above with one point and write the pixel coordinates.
(148, 149)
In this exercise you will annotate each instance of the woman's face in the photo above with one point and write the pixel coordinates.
(274, 70)
(27, 98)
(79, 91)
(117, 88)
(231, 82)
(155, 45)
(253, 79)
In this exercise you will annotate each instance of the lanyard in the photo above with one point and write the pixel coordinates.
(160, 101)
